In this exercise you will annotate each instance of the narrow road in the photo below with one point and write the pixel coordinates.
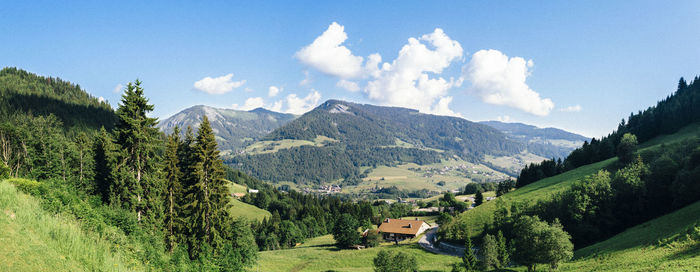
(428, 243)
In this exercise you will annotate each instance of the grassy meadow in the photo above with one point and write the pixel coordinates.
(667, 243)
(242, 209)
(264, 147)
(31, 239)
(319, 254)
(406, 177)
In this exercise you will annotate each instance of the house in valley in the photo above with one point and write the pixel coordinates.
(400, 229)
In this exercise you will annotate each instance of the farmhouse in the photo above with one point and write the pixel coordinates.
(400, 229)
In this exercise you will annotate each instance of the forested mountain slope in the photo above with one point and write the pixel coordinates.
(24, 93)
(336, 138)
(234, 129)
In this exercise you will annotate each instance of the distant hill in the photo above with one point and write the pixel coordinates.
(568, 141)
(234, 129)
(337, 138)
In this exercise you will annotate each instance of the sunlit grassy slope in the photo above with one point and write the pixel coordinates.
(545, 188)
(245, 210)
(667, 243)
(34, 240)
(319, 254)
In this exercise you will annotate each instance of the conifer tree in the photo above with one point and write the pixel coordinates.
(207, 199)
(478, 198)
(173, 189)
(104, 163)
(137, 185)
(469, 259)
(502, 247)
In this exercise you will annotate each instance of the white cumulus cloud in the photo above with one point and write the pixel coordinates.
(290, 104)
(298, 105)
(273, 91)
(500, 80)
(218, 85)
(406, 81)
(250, 103)
(575, 108)
(348, 85)
(327, 54)
(101, 99)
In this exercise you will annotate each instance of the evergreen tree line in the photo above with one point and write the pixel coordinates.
(668, 116)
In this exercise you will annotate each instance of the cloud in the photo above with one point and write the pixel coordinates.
(290, 104)
(101, 99)
(306, 80)
(118, 88)
(504, 118)
(297, 105)
(405, 81)
(442, 107)
(276, 106)
(500, 80)
(218, 85)
(273, 91)
(575, 108)
(250, 104)
(348, 85)
(327, 54)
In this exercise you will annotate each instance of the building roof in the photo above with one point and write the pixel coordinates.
(401, 226)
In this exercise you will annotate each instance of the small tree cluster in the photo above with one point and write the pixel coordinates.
(388, 261)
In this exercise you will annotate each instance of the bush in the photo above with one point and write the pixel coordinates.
(387, 261)
(372, 239)
(25, 185)
(4, 171)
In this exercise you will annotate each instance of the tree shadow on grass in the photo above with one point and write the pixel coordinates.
(690, 252)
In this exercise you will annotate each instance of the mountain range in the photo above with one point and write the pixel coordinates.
(337, 138)
(234, 129)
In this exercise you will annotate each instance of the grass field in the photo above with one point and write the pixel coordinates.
(33, 240)
(245, 210)
(454, 173)
(263, 147)
(667, 243)
(319, 254)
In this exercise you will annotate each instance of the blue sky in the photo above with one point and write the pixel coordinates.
(577, 65)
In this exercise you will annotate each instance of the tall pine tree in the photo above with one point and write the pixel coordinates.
(173, 194)
(137, 184)
(207, 198)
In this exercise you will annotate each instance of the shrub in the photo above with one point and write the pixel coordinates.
(25, 185)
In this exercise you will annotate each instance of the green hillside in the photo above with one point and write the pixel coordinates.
(35, 240)
(546, 188)
(668, 243)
